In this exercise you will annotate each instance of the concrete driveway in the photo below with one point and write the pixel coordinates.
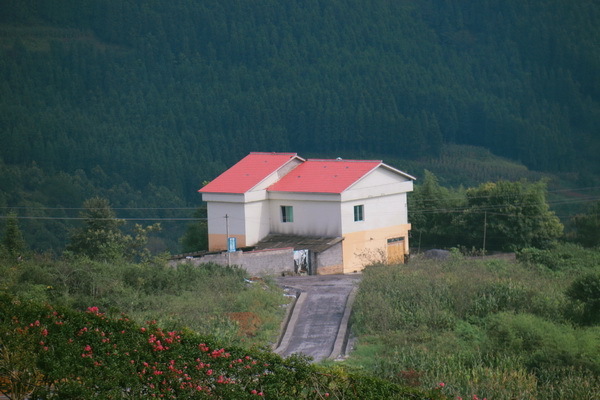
(318, 323)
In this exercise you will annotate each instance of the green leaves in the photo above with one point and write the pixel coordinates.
(69, 354)
(13, 244)
(100, 237)
(587, 227)
(490, 327)
(499, 215)
(585, 290)
(514, 215)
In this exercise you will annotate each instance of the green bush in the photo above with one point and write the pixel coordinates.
(198, 297)
(561, 383)
(543, 343)
(500, 295)
(585, 290)
(64, 354)
(508, 332)
(563, 257)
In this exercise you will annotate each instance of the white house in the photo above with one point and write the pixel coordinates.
(361, 202)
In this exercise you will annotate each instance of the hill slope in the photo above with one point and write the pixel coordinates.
(171, 93)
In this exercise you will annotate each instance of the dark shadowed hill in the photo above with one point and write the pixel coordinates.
(159, 96)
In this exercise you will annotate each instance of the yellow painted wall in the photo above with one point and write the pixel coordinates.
(366, 247)
(218, 242)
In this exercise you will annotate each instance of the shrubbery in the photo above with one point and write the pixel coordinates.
(585, 292)
(487, 327)
(200, 298)
(57, 353)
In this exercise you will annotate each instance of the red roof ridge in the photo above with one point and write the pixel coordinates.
(284, 153)
(309, 175)
(343, 160)
(249, 172)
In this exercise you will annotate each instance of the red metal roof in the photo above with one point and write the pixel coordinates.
(248, 172)
(324, 176)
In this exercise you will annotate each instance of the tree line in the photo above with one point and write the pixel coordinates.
(140, 103)
(494, 216)
(171, 93)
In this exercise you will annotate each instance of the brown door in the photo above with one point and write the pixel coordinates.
(395, 250)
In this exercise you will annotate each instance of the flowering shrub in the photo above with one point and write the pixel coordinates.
(86, 355)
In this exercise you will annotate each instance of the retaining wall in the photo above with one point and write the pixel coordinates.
(257, 263)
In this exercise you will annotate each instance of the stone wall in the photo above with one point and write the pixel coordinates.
(272, 261)
(330, 261)
(257, 263)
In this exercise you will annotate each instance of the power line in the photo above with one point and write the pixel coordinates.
(571, 201)
(112, 208)
(451, 197)
(499, 206)
(102, 219)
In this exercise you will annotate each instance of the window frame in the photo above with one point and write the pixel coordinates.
(287, 214)
(359, 213)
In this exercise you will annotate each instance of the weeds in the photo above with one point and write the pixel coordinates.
(483, 328)
(198, 298)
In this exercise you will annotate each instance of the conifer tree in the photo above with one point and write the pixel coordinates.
(13, 244)
(99, 237)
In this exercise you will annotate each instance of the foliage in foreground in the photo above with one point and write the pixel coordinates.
(489, 328)
(209, 299)
(57, 353)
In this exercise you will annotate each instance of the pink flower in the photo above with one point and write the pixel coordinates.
(441, 384)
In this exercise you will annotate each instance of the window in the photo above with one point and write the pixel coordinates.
(287, 214)
(359, 213)
(395, 240)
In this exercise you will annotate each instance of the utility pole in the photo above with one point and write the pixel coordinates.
(227, 240)
(484, 230)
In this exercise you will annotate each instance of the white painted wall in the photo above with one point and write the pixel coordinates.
(258, 221)
(379, 182)
(383, 196)
(311, 218)
(258, 213)
(378, 212)
(216, 218)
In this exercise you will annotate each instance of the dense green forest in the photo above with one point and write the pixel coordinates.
(140, 102)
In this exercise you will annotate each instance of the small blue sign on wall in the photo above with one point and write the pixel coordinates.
(231, 244)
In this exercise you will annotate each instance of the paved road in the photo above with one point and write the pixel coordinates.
(318, 322)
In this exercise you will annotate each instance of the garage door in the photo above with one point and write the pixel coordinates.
(395, 250)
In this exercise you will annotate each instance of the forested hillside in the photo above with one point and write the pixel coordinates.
(130, 99)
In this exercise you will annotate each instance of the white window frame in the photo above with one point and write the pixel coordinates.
(359, 213)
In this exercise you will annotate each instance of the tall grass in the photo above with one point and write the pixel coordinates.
(203, 299)
(490, 328)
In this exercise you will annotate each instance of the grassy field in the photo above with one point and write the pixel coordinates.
(484, 328)
(210, 299)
